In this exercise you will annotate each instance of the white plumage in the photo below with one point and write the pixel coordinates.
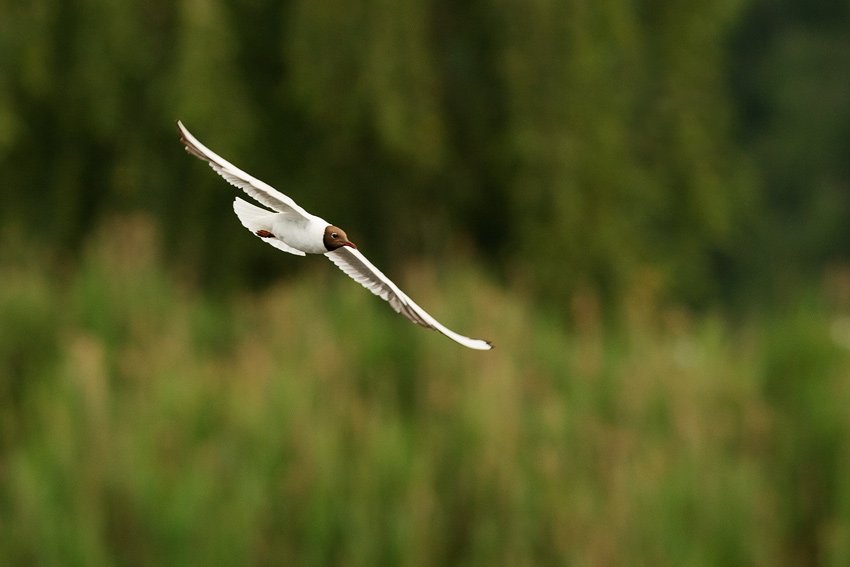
(290, 228)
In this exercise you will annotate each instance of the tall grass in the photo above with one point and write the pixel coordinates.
(145, 422)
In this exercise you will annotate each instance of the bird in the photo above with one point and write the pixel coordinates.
(290, 228)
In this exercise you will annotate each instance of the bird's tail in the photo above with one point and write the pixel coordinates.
(252, 217)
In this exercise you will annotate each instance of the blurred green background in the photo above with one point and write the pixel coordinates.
(644, 204)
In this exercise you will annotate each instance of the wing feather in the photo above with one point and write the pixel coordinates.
(259, 190)
(357, 267)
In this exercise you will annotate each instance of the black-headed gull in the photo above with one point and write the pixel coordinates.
(290, 228)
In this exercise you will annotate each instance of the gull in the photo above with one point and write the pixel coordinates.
(290, 228)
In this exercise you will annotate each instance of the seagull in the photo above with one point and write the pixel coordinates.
(290, 228)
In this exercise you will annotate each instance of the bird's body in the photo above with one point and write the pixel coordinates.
(290, 228)
(304, 236)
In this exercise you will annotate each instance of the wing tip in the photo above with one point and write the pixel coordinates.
(182, 130)
(189, 143)
(468, 342)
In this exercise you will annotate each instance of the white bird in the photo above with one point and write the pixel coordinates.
(290, 228)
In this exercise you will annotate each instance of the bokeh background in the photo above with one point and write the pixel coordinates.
(644, 204)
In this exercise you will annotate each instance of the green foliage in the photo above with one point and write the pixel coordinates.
(308, 424)
(795, 121)
(601, 161)
(592, 133)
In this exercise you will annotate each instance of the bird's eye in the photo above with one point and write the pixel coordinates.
(334, 235)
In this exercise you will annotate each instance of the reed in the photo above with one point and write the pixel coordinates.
(144, 421)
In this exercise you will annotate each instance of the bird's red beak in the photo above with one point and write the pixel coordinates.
(350, 245)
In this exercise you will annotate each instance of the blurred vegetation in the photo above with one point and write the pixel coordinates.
(644, 205)
(594, 134)
(147, 424)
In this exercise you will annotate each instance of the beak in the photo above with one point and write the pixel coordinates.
(349, 244)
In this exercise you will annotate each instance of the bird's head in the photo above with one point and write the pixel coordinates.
(335, 237)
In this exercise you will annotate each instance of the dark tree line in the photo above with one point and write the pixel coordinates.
(566, 143)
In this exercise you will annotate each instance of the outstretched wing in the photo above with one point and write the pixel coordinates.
(262, 192)
(361, 270)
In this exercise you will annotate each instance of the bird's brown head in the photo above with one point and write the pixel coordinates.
(335, 238)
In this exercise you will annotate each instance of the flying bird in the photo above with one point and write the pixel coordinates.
(290, 228)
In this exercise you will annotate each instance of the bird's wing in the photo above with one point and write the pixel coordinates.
(262, 192)
(361, 270)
